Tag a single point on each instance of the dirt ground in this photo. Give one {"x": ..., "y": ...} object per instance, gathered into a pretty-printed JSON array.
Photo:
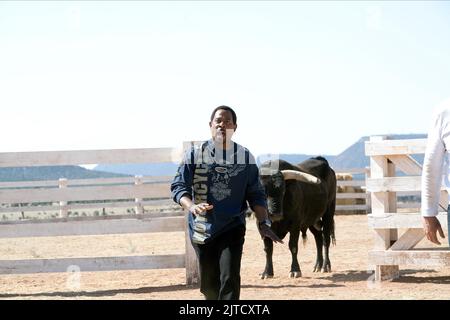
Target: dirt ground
[{"x": 350, "y": 278}]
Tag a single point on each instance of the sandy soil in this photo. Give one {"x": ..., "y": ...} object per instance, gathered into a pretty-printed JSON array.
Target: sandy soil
[{"x": 350, "y": 278}]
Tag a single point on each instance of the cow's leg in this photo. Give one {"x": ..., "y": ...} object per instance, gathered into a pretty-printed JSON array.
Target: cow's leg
[
  {"x": 293, "y": 247},
  {"x": 328, "y": 234},
  {"x": 328, "y": 231},
  {"x": 326, "y": 267},
  {"x": 327, "y": 264},
  {"x": 268, "y": 248},
  {"x": 319, "y": 244}
]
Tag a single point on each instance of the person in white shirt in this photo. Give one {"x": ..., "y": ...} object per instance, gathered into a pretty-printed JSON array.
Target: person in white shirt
[{"x": 434, "y": 166}]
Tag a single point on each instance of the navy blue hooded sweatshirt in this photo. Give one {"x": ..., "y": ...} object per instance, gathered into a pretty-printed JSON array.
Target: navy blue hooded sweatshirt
[{"x": 227, "y": 179}]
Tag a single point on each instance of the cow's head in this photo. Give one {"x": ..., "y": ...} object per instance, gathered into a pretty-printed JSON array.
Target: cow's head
[{"x": 274, "y": 182}]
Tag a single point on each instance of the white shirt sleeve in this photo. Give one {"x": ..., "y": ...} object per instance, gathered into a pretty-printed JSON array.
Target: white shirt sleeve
[{"x": 432, "y": 168}]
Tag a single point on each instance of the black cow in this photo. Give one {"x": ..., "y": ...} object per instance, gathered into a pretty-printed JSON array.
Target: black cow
[{"x": 299, "y": 198}]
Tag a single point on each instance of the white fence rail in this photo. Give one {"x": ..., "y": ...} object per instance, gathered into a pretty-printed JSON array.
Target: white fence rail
[{"x": 60, "y": 158}]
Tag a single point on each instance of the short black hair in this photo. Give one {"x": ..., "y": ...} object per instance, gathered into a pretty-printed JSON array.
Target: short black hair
[{"x": 226, "y": 108}]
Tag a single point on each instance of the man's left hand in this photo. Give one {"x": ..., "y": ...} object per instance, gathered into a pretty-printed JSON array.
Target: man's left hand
[
  {"x": 431, "y": 227},
  {"x": 266, "y": 232}
]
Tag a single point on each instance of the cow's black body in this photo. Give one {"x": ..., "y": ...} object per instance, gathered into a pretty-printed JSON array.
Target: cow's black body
[{"x": 296, "y": 206}]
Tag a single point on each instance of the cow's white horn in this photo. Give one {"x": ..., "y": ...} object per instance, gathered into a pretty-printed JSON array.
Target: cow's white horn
[{"x": 300, "y": 176}]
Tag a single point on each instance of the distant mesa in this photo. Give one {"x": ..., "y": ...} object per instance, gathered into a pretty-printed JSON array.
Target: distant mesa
[
  {"x": 144, "y": 169},
  {"x": 40, "y": 173},
  {"x": 352, "y": 157}
]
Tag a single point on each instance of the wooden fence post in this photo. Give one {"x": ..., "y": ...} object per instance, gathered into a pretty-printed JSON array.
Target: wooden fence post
[
  {"x": 192, "y": 267},
  {"x": 192, "y": 271},
  {"x": 63, "y": 212},
  {"x": 368, "y": 195},
  {"x": 138, "y": 209},
  {"x": 382, "y": 203}
]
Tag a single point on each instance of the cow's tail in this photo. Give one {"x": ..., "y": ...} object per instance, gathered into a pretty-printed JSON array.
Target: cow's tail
[
  {"x": 332, "y": 209},
  {"x": 304, "y": 237},
  {"x": 328, "y": 224}
]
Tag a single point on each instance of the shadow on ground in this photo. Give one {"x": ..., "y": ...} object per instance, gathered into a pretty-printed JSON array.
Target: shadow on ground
[
  {"x": 283, "y": 286},
  {"x": 146, "y": 290},
  {"x": 413, "y": 276},
  {"x": 405, "y": 276},
  {"x": 100, "y": 293}
]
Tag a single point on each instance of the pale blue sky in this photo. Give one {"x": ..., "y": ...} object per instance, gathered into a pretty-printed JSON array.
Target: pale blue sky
[{"x": 303, "y": 77}]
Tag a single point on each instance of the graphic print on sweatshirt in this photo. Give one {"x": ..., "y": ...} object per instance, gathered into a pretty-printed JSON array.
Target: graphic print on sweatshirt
[{"x": 221, "y": 178}]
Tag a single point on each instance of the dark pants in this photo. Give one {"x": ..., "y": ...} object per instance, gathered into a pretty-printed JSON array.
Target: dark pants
[{"x": 220, "y": 265}]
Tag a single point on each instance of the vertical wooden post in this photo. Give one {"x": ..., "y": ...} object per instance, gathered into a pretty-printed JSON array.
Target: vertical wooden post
[
  {"x": 63, "y": 212},
  {"x": 138, "y": 201},
  {"x": 443, "y": 201},
  {"x": 191, "y": 261},
  {"x": 368, "y": 196},
  {"x": 392, "y": 198},
  {"x": 382, "y": 203}
]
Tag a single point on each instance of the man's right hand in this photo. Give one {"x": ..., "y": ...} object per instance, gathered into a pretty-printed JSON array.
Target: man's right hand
[
  {"x": 200, "y": 208},
  {"x": 431, "y": 226}
]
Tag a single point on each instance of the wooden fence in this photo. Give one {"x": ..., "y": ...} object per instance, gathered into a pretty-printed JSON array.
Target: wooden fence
[
  {"x": 31, "y": 196},
  {"x": 64, "y": 196},
  {"x": 353, "y": 190},
  {"x": 138, "y": 190},
  {"x": 13, "y": 200},
  {"x": 391, "y": 248}
]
